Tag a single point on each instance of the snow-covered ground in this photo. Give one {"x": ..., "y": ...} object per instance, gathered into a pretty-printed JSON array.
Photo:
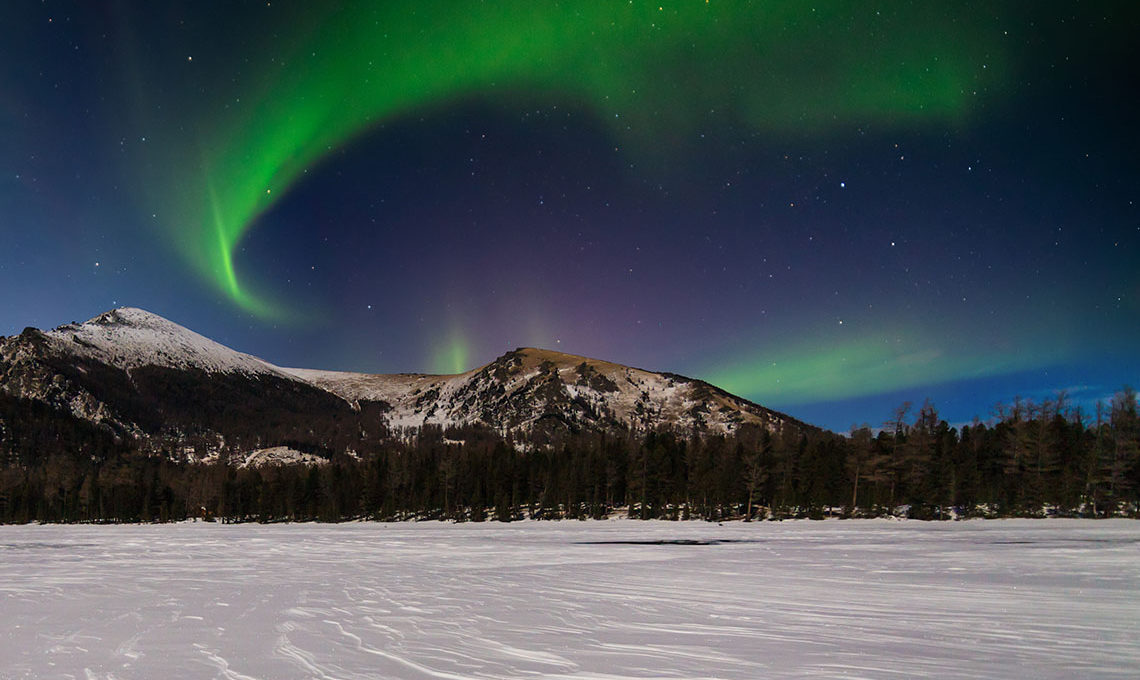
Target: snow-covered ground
[{"x": 869, "y": 599}]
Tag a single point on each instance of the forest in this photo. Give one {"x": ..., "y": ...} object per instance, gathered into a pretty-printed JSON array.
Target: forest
[{"x": 1032, "y": 459}]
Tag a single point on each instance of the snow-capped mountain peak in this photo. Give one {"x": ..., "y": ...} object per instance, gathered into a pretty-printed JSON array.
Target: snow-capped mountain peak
[{"x": 129, "y": 338}]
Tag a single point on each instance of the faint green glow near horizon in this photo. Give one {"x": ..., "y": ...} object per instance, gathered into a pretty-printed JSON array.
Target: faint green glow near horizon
[
  {"x": 861, "y": 366},
  {"x": 453, "y": 356},
  {"x": 646, "y": 70}
]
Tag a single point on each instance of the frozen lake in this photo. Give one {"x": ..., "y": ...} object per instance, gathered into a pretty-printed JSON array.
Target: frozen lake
[{"x": 850, "y": 599}]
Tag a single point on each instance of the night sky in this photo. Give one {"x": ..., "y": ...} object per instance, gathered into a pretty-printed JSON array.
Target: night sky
[{"x": 829, "y": 210}]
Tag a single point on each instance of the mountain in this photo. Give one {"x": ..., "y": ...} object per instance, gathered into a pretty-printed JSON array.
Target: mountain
[
  {"x": 541, "y": 391},
  {"x": 168, "y": 390},
  {"x": 129, "y": 338},
  {"x": 164, "y": 389}
]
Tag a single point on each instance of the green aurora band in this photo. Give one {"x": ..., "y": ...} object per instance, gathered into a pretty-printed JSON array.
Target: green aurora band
[
  {"x": 651, "y": 71},
  {"x": 835, "y": 370},
  {"x": 453, "y": 356}
]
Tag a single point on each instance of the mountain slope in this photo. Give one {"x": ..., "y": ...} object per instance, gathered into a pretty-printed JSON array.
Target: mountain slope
[
  {"x": 530, "y": 389},
  {"x": 129, "y": 338},
  {"x": 167, "y": 388}
]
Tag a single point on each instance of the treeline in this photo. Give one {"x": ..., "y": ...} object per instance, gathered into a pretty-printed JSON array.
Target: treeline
[{"x": 1033, "y": 459}]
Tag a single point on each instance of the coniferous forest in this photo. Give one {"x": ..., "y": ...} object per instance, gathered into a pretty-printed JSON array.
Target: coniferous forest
[{"x": 1032, "y": 459}]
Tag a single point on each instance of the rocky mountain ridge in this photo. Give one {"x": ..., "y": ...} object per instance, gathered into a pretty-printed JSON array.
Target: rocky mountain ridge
[{"x": 148, "y": 379}]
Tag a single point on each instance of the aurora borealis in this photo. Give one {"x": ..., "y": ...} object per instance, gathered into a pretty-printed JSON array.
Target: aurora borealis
[
  {"x": 828, "y": 209},
  {"x": 358, "y": 67}
]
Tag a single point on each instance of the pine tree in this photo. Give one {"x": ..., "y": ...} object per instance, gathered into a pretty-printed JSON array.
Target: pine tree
[
  {"x": 1125, "y": 441},
  {"x": 865, "y": 463}
]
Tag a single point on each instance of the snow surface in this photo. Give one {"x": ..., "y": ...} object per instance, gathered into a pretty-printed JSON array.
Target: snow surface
[{"x": 853, "y": 599}]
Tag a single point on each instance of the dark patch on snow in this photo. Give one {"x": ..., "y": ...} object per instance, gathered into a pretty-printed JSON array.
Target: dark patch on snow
[
  {"x": 675, "y": 541},
  {"x": 44, "y": 546}
]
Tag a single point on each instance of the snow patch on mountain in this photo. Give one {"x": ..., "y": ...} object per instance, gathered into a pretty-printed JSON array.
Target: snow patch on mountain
[
  {"x": 351, "y": 386},
  {"x": 131, "y": 338},
  {"x": 279, "y": 455}
]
